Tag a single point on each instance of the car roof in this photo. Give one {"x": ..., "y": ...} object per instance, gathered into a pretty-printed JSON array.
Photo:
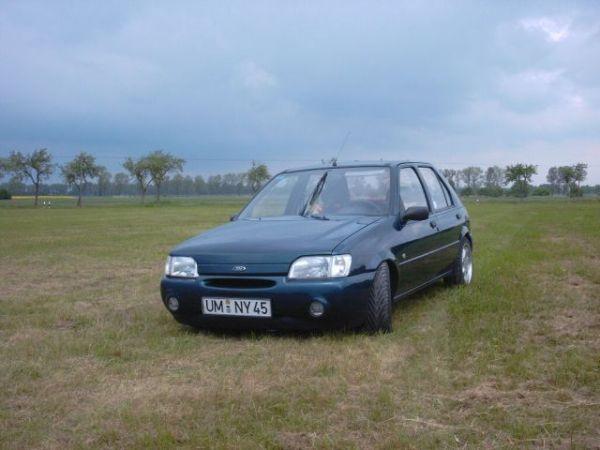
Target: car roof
[{"x": 357, "y": 164}]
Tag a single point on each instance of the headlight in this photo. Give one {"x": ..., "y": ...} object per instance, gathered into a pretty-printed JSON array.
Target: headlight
[
  {"x": 321, "y": 267},
  {"x": 181, "y": 267}
]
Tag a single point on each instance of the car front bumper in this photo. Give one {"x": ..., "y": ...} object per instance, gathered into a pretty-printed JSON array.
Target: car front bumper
[{"x": 344, "y": 300}]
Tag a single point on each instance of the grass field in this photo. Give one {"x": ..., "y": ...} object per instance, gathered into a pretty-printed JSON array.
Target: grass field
[{"x": 89, "y": 357}]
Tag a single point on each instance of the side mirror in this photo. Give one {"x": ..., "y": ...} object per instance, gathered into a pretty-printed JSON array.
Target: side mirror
[
  {"x": 233, "y": 218},
  {"x": 413, "y": 213}
]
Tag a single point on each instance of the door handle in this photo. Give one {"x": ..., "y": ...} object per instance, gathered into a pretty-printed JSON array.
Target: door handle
[{"x": 433, "y": 224}]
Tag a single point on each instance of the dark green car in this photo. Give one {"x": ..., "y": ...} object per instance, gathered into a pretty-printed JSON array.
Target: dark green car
[{"x": 324, "y": 247}]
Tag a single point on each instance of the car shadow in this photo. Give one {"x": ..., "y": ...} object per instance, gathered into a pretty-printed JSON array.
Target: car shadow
[
  {"x": 242, "y": 334},
  {"x": 412, "y": 301},
  {"x": 403, "y": 305}
]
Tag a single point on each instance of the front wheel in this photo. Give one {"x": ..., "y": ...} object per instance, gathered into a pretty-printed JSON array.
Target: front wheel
[
  {"x": 462, "y": 269},
  {"x": 379, "y": 306}
]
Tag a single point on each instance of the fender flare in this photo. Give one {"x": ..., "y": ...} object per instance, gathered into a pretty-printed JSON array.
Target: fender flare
[
  {"x": 378, "y": 258},
  {"x": 388, "y": 258},
  {"x": 466, "y": 233}
]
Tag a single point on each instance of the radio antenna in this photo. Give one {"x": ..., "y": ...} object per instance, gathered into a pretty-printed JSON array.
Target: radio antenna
[{"x": 335, "y": 160}]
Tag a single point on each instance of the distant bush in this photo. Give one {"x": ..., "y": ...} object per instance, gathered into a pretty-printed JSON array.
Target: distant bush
[
  {"x": 541, "y": 191},
  {"x": 575, "y": 191},
  {"x": 520, "y": 188},
  {"x": 5, "y": 195},
  {"x": 491, "y": 191},
  {"x": 465, "y": 192}
]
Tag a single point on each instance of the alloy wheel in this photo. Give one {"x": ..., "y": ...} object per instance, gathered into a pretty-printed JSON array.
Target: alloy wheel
[{"x": 467, "y": 264}]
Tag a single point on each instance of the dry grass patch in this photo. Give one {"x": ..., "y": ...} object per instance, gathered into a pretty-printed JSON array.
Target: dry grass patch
[{"x": 90, "y": 357}]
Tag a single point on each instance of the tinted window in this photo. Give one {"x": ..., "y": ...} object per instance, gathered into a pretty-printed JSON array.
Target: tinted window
[
  {"x": 411, "y": 191},
  {"x": 331, "y": 192},
  {"x": 438, "y": 196},
  {"x": 447, "y": 194},
  {"x": 273, "y": 200},
  {"x": 361, "y": 191},
  {"x": 369, "y": 185}
]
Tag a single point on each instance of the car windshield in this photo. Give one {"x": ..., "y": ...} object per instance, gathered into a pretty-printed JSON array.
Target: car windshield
[{"x": 322, "y": 194}]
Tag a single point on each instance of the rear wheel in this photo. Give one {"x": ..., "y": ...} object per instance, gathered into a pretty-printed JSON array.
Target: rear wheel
[
  {"x": 462, "y": 269},
  {"x": 379, "y": 306}
]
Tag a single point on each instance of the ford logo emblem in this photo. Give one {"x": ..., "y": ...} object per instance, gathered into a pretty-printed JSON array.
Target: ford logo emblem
[{"x": 239, "y": 268}]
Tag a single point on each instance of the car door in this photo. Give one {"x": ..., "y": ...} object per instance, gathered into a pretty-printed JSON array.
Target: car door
[
  {"x": 446, "y": 218},
  {"x": 415, "y": 240}
]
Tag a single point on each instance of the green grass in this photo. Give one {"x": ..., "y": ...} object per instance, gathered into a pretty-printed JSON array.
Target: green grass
[
  {"x": 89, "y": 357},
  {"x": 125, "y": 200}
]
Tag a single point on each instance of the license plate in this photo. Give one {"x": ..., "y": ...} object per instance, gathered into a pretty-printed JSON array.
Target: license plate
[{"x": 245, "y": 307}]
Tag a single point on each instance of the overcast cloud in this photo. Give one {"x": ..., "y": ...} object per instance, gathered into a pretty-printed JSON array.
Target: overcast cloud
[{"x": 218, "y": 83}]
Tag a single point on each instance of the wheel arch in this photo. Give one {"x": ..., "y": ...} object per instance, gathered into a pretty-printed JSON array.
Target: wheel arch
[
  {"x": 394, "y": 275},
  {"x": 392, "y": 266},
  {"x": 466, "y": 234}
]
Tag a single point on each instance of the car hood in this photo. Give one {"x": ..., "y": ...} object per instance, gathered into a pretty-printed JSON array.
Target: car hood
[{"x": 268, "y": 241}]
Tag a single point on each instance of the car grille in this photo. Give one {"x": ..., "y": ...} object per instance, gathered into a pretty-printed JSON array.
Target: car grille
[{"x": 239, "y": 283}]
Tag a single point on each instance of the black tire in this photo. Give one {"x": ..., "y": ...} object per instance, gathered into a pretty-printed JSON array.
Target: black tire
[
  {"x": 379, "y": 306},
  {"x": 457, "y": 276}
]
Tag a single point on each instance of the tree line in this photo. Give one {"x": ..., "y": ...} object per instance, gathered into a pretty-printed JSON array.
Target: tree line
[
  {"x": 155, "y": 173},
  {"x": 516, "y": 180},
  {"x": 160, "y": 172}
]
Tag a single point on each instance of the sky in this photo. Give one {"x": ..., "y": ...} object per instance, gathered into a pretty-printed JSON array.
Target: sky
[{"x": 223, "y": 83}]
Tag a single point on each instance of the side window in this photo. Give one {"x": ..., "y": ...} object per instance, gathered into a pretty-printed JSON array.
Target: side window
[
  {"x": 438, "y": 196},
  {"x": 410, "y": 189},
  {"x": 447, "y": 194}
]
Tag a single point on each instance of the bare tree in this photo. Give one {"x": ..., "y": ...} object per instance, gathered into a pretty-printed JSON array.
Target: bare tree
[
  {"x": 494, "y": 177},
  {"x": 472, "y": 177},
  {"x": 453, "y": 177},
  {"x": 79, "y": 171}
]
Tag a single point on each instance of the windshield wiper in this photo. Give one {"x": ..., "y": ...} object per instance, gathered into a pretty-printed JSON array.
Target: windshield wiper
[
  {"x": 315, "y": 194},
  {"x": 317, "y": 216}
]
